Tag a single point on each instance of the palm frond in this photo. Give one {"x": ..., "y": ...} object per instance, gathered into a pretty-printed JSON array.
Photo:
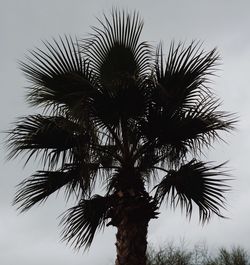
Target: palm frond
[
  {"x": 195, "y": 182},
  {"x": 39, "y": 186},
  {"x": 81, "y": 222},
  {"x": 76, "y": 179},
  {"x": 53, "y": 136},
  {"x": 59, "y": 76},
  {"x": 120, "y": 63},
  {"x": 184, "y": 131},
  {"x": 114, "y": 50},
  {"x": 183, "y": 78},
  {"x": 201, "y": 125}
]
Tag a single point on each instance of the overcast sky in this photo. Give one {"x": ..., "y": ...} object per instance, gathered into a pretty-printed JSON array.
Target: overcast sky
[{"x": 33, "y": 238}]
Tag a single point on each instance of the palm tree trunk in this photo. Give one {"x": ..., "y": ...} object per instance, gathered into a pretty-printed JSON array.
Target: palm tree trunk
[
  {"x": 131, "y": 242},
  {"x": 131, "y": 216}
]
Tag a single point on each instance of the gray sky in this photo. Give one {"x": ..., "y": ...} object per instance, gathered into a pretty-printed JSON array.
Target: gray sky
[{"x": 33, "y": 238}]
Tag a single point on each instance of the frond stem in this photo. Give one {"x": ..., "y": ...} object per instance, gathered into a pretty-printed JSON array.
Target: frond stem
[
  {"x": 162, "y": 169},
  {"x": 116, "y": 138},
  {"x": 125, "y": 136}
]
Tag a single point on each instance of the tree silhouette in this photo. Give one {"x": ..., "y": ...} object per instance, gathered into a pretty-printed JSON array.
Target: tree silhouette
[{"x": 116, "y": 113}]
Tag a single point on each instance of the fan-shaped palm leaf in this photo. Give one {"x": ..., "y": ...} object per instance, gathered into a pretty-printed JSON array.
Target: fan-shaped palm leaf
[
  {"x": 201, "y": 125},
  {"x": 115, "y": 51},
  {"x": 60, "y": 77},
  {"x": 81, "y": 222},
  {"x": 54, "y": 136},
  {"x": 76, "y": 179},
  {"x": 194, "y": 182},
  {"x": 188, "y": 130},
  {"x": 182, "y": 80},
  {"x": 119, "y": 62}
]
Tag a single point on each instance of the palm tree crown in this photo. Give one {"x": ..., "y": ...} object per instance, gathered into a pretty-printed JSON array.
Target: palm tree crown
[{"x": 115, "y": 111}]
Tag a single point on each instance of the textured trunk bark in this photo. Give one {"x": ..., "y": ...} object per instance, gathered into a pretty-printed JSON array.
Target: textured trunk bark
[
  {"x": 131, "y": 216},
  {"x": 131, "y": 242},
  {"x": 131, "y": 212}
]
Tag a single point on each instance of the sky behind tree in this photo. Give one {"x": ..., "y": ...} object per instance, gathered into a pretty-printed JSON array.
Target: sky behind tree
[{"x": 33, "y": 237}]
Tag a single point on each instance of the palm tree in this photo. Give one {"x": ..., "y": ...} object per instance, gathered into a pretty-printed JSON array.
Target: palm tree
[{"x": 116, "y": 113}]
